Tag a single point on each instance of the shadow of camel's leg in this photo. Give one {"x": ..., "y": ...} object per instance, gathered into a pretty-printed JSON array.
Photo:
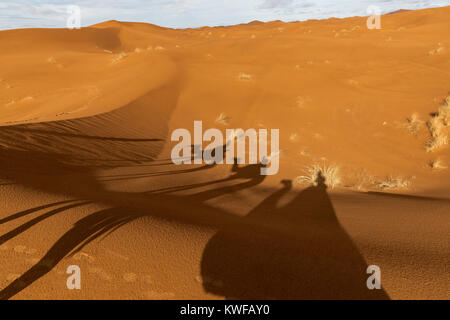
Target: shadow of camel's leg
[
  {"x": 84, "y": 231},
  {"x": 30, "y": 211},
  {"x": 29, "y": 224}
]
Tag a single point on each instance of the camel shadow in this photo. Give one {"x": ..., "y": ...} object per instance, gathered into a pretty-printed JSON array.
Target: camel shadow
[
  {"x": 125, "y": 208},
  {"x": 296, "y": 251}
]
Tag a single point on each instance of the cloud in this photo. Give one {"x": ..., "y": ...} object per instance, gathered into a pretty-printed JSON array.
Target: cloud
[
  {"x": 190, "y": 13},
  {"x": 284, "y": 4},
  {"x": 289, "y": 10},
  {"x": 272, "y": 4}
]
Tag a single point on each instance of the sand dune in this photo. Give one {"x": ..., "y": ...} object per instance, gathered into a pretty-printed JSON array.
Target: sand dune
[{"x": 86, "y": 176}]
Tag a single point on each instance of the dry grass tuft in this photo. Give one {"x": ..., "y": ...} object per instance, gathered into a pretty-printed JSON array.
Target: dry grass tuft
[
  {"x": 330, "y": 173},
  {"x": 28, "y": 98},
  {"x": 363, "y": 180},
  {"x": 393, "y": 183},
  {"x": 436, "y": 51},
  {"x": 304, "y": 153},
  {"x": 414, "y": 123},
  {"x": 436, "y": 127},
  {"x": 245, "y": 77},
  {"x": 10, "y": 103},
  {"x": 294, "y": 137},
  {"x": 121, "y": 56},
  {"x": 223, "y": 119},
  {"x": 444, "y": 112},
  {"x": 437, "y": 164},
  {"x": 51, "y": 60},
  {"x": 302, "y": 102},
  {"x": 436, "y": 143}
]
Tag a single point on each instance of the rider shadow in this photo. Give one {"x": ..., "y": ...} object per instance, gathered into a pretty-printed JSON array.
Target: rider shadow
[{"x": 297, "y": 251}]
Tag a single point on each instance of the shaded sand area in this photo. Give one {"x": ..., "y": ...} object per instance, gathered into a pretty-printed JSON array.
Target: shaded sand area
[{"x": 86, "y": 177}]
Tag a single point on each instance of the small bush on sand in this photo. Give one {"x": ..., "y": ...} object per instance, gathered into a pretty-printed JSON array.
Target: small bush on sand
[
  {"x": 414, "y": 123},
  {"x": 444, "y": 112},
  {"x": 393, "y": 183},
  {"x": 223, "y": 119},
  {"x": 121, "y": 56},
  {"x": 245, "y": 77},
  {"x": 437, "y": 125},
  {"x": 437, "y": 142},
  {"x": 363, "y": 180},
  {"x": 438, "y": 137},
  {"x": 437, "y": 164},
  {"x": 294, "y": 137}
]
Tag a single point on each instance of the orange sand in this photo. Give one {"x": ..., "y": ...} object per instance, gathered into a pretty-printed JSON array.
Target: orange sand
[{"x": 86, "y": 177}]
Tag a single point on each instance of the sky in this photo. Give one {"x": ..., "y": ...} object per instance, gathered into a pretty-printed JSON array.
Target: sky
[{"x": 191, "y": 13}]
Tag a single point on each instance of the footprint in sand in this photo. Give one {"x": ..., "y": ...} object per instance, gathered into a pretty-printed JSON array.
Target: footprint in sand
[
  {"x": 294, "y": 137},
  {"x": 130, "y": 277},
  {"x": 84, "y": 256},
  {"x": 147, "y": 279},
  {"x": 301, "y": 102},
  {"x": 352, "y": 82},
  {"x": 118, "y": 255},
  {"x": 32, "y": 261},
  {"x": 12, "y": 276},
  {"x": 436, "y": 51},
  {"x": 20, "y": 249},
  {"x": 199, "y": 279},
  {"x": 207, "y": 280},
  {"x": 10, "y": 103},
  {"x": 30, "y": 251},
  {"x": 101, "y": 273},
  {"x": 160, "y": 295}
]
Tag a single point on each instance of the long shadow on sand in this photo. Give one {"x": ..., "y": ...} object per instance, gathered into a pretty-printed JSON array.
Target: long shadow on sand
[
  {"x": 305, "y": 255},
  {"x": 125, "y": 207},
  {"x": 293, "y": 252},
  {"x": 298, "y": 250}
]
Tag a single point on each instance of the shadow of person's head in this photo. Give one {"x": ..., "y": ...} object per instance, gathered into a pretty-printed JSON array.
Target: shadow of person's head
[{"x": 320, "y": 181}]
